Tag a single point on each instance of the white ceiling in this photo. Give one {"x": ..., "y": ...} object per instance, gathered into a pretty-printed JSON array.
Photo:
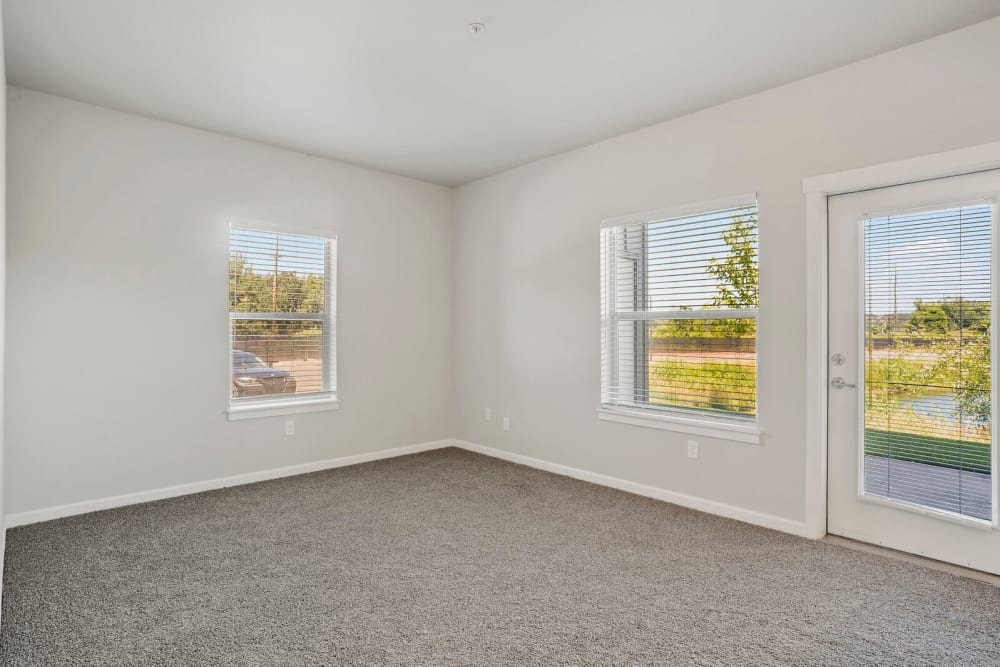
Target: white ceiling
[{"x": 403, "y": 86}]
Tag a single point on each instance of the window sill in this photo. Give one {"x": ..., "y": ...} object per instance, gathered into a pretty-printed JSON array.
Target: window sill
[
  {"x": 276, "y": 408},
  {"x": 722, "y": 429}
]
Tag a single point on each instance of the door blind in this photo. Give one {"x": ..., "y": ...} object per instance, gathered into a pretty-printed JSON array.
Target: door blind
[
  {"x": 281, "y": 302},
  {"x": 928, "y": 376},
  {"x": 679, "y": 313}
]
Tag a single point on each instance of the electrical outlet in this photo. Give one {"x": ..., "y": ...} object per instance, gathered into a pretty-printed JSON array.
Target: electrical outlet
[
  {"x": 692, "y": 449},
  {"x": 489, "y": 414},
  {"x": 506, "y": 423},
  {"x": 289, "y": 427}
]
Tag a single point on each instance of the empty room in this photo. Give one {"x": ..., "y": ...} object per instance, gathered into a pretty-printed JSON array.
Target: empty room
[{"x": 469, "y": 332}]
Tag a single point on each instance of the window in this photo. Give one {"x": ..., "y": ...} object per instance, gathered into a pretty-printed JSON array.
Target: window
[
  {"x": 282, "y": 311},
  {"x": 679, "y": 313}
]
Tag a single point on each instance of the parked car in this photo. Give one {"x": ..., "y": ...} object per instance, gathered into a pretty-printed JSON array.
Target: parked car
[{"x": 252, "y": 377}]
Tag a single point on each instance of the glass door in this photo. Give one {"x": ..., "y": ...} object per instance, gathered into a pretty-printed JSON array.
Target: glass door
[{"x": 912, "y": 461}]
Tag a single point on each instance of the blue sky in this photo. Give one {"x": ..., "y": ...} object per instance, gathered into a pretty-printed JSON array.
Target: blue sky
[
  {"x": 931, "y": 256},
  {"x": 303, "y": 255},
  {"x": 679, "y": 252}
]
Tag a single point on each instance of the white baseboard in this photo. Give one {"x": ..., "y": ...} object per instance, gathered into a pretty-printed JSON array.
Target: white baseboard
[
  {"x": 60, "y": 511},
  {"x": 693, "y": 502}
]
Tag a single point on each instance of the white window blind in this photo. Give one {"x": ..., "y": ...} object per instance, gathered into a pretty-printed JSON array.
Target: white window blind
[
  {"x": 679, "y": 313},
  {"x": 282, "y": 314},
  {"x": 928, "y": 373}
]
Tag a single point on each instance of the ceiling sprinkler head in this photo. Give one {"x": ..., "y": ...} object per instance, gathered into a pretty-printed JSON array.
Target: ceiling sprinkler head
[{"x": 476, "y": 28}]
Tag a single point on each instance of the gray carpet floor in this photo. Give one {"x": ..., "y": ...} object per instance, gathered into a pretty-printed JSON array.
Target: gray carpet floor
[{"x": 451, "y": 558}]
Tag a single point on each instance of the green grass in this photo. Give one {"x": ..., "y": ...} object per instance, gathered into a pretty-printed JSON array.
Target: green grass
[
  {"x": 896, "y": 377},
  {"x": 729, "y": 387},
  {"x": 960, "y": 454},
  {"x": 899, "y": 375},
  {"x": 719, "y": 386}
]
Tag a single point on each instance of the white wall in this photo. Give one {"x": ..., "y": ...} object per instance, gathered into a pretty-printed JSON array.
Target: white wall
[
  {"x": 526, "y": 256},
  {"x": 3, "y": 276},
  {"x": 117, "y": 292},
  {"x": 117, "y": 303}
]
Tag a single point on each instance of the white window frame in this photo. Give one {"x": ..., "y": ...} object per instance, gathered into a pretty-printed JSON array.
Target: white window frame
[
  {"x": 271, "y": 406},
  {"x": 736, "y": 429}
]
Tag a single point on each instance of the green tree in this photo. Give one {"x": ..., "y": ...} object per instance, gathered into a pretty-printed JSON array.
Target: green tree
[
  {"x": 949, "y": 316},
  {"x": 929, "y": 318},
  {"x": 289, "y": 292},
  {"x": 964, "y": 366},
  {"x": 736, "y": 276},
  {"x": 678, "y": 328},
  {"x": 962, "y": 355}
]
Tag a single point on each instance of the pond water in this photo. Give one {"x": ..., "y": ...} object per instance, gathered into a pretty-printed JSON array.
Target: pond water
[{"x": 940, "y": 405}]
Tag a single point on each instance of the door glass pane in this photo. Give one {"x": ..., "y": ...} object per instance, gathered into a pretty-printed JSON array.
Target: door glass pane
[{"x": 928, "y": 426}]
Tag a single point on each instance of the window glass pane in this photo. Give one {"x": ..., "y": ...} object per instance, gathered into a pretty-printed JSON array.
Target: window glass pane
[
  {"x": 928, "y": 427},
  {"x": 705, "y": 365},
  {"x": 705, "y": 261},
  {"x": 276, "y": 273},
  {"x": 281, "y": 301},
  {"x": 277, "y": 357},
  {"x": 679, "y": 308}
]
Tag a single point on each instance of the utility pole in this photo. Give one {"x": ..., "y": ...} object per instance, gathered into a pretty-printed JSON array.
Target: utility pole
[
  {"x": 895, "y": 308},
  {"x": 274, "y": 290},
  {"x": 274, "y": 285}
]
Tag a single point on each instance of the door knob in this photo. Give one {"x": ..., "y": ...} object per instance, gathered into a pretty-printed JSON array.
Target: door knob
[{"x": 840, "y": 383}]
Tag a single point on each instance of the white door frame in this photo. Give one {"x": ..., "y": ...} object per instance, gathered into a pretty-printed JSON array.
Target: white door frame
[{"x": 817, "y": 189}]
